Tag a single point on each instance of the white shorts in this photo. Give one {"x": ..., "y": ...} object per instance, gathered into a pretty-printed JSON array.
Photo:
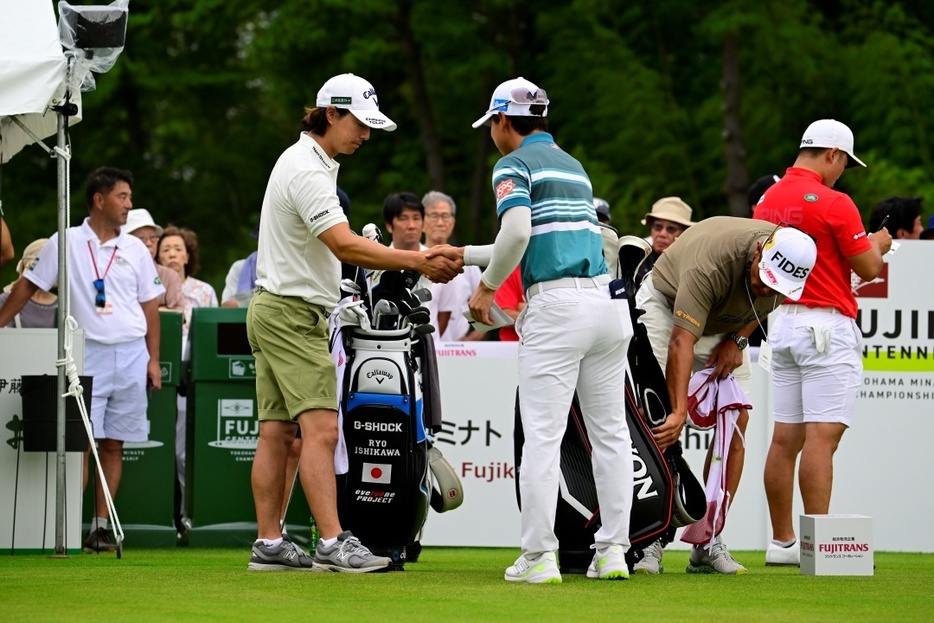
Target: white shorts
[
  {"x": 118, "y": 397},
  {"x": 659, "y": 322},
  {"x": 817, "y": 365}
]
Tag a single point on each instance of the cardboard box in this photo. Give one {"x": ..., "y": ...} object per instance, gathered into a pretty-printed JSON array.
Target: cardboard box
[{"x": 836, "y": 545}]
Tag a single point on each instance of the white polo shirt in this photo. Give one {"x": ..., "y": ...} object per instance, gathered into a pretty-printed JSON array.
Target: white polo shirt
[
  {"x": 453, "y": 297},
  {"x": 131, "y": 279},
  {"x": 300, "y": 204}
]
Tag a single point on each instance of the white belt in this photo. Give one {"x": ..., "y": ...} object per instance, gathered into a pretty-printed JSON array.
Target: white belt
[
  {"x": 796, "y": 308},
  {"x": 567, "y": 282}
]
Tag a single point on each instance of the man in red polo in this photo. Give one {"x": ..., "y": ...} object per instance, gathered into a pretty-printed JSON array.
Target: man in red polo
[{"x": 816, "y": 357}]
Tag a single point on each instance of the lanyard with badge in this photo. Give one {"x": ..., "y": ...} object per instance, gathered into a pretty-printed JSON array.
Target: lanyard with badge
[
  {"x": 765, "y": 349},
  {"x": 103, "y": 306}
]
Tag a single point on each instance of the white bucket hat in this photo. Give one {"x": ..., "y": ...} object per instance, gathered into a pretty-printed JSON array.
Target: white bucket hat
[{"x": 140, "y": 217}]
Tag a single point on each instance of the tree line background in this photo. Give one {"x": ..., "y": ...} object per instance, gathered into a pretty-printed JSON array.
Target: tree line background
[{"x": 655, "y": 97}]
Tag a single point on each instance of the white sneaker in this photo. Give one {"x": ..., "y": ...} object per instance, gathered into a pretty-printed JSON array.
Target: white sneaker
[
  {"x": 651, "y": 559},
  {"x": 608, "y": 564},
  {"x": 778, "y": 556},
  {"x": 542, "y": 569},
  {"x": 717, "y": 560}
]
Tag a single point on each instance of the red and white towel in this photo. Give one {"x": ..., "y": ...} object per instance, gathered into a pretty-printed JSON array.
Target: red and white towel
[{"x": 717, "y": 403}]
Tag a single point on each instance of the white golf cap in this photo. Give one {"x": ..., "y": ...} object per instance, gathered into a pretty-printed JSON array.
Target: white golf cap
[
  {"x": 356, "y": 95},
  {"x": 831, "y": 133},
  {"x": 140, "y": 217},
  {"x": 788, "y": 256},
  {"x": 515, "y": 99}
]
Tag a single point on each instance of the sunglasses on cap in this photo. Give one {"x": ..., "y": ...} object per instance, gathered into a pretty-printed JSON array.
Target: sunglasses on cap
[
  {"x": 771, "y": 238},
  {"x": 523, "y": 95}
]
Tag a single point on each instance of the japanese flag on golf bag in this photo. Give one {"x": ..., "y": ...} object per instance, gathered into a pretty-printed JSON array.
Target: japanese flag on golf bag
[
  {"x": 383, "y": 498},
  {"x": 389, "y": 404}
]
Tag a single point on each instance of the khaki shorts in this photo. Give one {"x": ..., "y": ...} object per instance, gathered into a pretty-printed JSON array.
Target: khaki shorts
[{"x": 294, "y": 369}]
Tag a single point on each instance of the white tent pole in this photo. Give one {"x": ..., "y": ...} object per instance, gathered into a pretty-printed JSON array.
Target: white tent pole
[
  {"x": 64, "y": 294},
  {"x": 62, "y": 308}
]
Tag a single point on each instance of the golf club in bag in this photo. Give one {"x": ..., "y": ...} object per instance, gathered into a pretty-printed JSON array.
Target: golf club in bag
[
  {"x": 390, "y": 405},
  {"x": 665, "y": 492}
]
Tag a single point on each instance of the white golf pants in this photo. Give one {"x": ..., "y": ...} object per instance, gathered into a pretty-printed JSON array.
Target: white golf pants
[{"x": 574, "y": 339}]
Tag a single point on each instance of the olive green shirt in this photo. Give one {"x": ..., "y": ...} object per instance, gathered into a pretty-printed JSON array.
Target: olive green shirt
[{"x": 704, "y": 275}]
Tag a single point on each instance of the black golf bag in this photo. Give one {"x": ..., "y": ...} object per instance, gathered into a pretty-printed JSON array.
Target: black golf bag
[
  {"x": 389, "y": 404},
  {"x": 665, "y": 492}
]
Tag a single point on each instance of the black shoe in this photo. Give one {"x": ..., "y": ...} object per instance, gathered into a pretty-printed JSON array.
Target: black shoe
[
  {"x": 412, "y": 551},
  {"x": 99, "y": 541}
]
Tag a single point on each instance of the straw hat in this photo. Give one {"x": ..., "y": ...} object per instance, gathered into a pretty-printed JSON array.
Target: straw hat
[{"x": 670, "y": 209}]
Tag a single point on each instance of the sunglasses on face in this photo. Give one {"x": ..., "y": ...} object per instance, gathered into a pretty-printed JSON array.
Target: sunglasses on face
[
  {"x": 671, "y": 229},
  {"x": 100, "y": 299}
]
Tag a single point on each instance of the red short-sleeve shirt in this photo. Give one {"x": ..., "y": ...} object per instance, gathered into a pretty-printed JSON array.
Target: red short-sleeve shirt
[
  {"x": 508, "y": 296},
  {"x": 800, "y": 199}
]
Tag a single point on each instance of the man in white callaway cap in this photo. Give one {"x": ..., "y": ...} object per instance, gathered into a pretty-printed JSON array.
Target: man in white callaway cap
[
  {"x": 817, "y": 362},
  {"x": 353, "y": 93},
  {"x": 707, "y": 293},
  {"x": 574, "y": 336},
  {"x": 303, "y": 238}
]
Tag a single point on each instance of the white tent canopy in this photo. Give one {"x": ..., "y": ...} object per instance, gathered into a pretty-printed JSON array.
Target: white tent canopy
[
  {"x": 32, "y": 73},
  {"x": 33, "y": 79}
]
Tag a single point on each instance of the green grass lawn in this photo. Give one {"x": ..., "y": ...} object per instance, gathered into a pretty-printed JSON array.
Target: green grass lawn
[{"x": 447, "y": 584}]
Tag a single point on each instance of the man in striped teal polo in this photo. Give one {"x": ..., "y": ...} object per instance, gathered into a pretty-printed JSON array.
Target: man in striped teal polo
[{"x": 573, "y": 335}]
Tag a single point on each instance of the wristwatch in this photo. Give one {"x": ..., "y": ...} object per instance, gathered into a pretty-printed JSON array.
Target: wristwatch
[{"x": 741, "y": 341}]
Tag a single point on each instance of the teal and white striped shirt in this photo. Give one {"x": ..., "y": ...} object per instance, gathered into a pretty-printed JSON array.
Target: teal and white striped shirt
[{"x": 566, "y": 239}]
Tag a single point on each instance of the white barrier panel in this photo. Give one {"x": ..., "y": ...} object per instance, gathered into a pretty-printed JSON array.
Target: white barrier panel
[
  {"x": 478, "y": 385},
  {"x": 881, "y": 469},
  {"x": 478, "y": 395},
  {"x": 29, "y": 485},
  {"x": 885, "y": 461}
]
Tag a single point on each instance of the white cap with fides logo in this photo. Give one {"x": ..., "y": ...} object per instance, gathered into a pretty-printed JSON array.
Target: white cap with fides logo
[
  {"x": 788, "y": 256},
  {"x": 828, "y": 133},
  {"x": 356, "y": 95},
  {"x": 515, "y": 98}
]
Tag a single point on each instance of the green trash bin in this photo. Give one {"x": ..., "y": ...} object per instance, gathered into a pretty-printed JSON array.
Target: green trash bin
[
  {"x": 146, "y": 498},
  {"x": 222, "y": 433}
]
